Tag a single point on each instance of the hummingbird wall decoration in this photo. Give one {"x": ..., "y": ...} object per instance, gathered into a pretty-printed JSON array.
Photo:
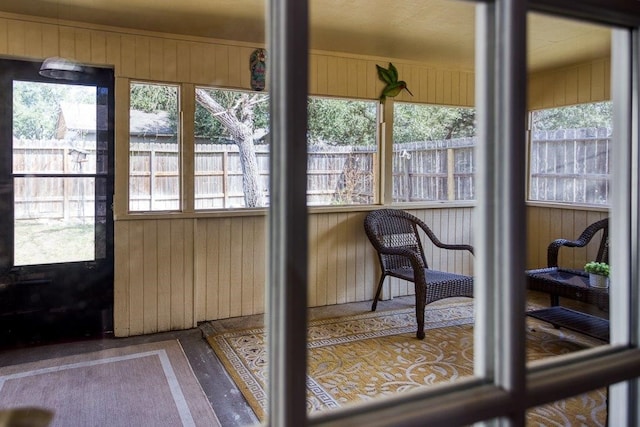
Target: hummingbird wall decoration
[{"x": 390, "y": 77}]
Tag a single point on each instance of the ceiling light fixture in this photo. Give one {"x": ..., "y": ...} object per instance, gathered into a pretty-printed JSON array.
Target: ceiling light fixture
[{"x": 61, "y": 69}]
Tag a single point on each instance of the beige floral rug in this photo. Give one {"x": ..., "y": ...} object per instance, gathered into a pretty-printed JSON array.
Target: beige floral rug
[{"x": 373, "y": 355}]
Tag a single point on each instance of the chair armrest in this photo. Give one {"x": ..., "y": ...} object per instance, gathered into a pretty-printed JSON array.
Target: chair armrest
[{"x": 440, "y": 244}]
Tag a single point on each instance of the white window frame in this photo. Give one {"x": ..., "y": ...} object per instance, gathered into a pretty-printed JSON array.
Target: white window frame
[{"x": 504, "y": 386}]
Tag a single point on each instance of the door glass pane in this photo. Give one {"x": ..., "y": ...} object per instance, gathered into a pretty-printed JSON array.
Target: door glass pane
[{"x": 54, "y": 135}]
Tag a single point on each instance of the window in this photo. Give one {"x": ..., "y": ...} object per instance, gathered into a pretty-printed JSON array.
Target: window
[
  {"x": 342, "y": 146},
  {"x": 154, "y": 148},
  {"x": 433, "y": 153},
  {"x": 570, "y": 154},
  {"x": 232, "y": 150}
]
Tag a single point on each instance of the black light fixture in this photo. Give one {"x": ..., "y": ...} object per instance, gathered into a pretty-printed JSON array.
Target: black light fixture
[{"x": 61, "y": 69}]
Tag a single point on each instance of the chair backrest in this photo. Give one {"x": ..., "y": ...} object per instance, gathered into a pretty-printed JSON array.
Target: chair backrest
[
  {"x": 585, "y": 238},
  {"x": 393, "y": 228}
]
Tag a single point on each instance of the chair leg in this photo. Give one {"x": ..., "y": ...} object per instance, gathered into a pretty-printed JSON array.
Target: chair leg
[
  {"x": 421, "y": 301},
  {"x": 375, "y": 300}
]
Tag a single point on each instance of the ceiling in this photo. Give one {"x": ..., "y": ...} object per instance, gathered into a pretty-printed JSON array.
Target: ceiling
[{"x": 438, "y": 32}]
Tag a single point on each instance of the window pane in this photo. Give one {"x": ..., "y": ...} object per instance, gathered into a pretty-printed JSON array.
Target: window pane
[
  {"x": 570, "y": 154},
  {"x": 342, "y": 148},
  {"x": 54, "y": 128},
  {"x": 432, "y": 153},
  {"x": 231, "y": 150},
  {"x": 154, "y": 152},
  {"x": 54, "y": 220}
]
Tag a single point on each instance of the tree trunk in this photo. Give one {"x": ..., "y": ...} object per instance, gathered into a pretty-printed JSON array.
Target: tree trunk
[{"x": 242, "y": 133}]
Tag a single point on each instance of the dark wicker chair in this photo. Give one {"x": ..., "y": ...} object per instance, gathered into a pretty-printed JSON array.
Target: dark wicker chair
[
  {"x": 394, "y": 235},
  {"x": 587, "y": 235}
]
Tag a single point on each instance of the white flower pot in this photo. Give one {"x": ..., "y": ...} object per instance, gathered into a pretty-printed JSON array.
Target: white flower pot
[{"x": 598, "y": 281}]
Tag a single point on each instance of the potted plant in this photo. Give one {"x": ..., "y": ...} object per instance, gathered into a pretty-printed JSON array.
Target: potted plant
[{"x": 598, "y": 274}]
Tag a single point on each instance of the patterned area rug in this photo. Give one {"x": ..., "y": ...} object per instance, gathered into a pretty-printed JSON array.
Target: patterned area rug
[{"x": 372, "y": 355}]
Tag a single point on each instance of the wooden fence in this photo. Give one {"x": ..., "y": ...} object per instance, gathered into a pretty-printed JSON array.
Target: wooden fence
[{"x": 571, "y": 165}]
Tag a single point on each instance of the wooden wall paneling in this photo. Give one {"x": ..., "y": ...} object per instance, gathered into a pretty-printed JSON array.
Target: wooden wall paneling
[
  {"x": 156, "y": 59},
  {"x": 333, "y": 76},
  {"x": 208, "y": 62},
  {"x": 247, "y": 273},
  {"x": 313, "y": 74},
  {"x": 362, "y": 78},
  {"x": 67, "y": 39},
  {"x": 113, "y": 53},
  {"x": 584, "y": 83},
  {"x": 332, "y": 258},
  {"x": 187, "y": 287},
  {"x": 312, "y": 263},
  {"x": 211, "y": 262},
  {"x": 598, "y": 80},
  {"x": 342, "y": 243},
  {"x": 471, "y": 87},
  {"x": 199, "y": 268},
  {"x": 260, "y": 256},
  {"x": 322, "y": 83},
  {"x": 135, "y": 264},
  {"x": 532, "y": 231},
  {"x": 547, "y": 91},
  {"x": 164, "y": 273},
  {"x": 236, "y": 64},
  {"x": 423, "y": 84},
  {"x": 183, "y": 61},
  {"x": 150, "y": 275},
  {"x": 534, "y": 92},
  {"x": 224, "y": 265},
  {"x": 221, "y": 77},
  {"x": 128, "y": 55},
  {"x": 121, "y": 163},
  {"x": 235, "y": 267},
  {"x": 447, "y": 82},
  {"x": 432, "y": 83},
  {"x": 322, "y": 256},
  {"x": 364, "y": 256},
  {"x": 374, "y": 84},
  {"x": 463, "y": 91},
  {"x": 169, "y": 60},
  {"x": 49, "y": 40},
  {"x": 559, "y": 86},
  {"x": 98, "y": 49},
  {"x": 196, "y": 56},
  {"x": 571, "y": 85},
  {"x": 33, "y": 40},
  {"x": 352, "y": 78},
  {"x": 180, "y": 281},
  {"x": 142, "y": 61},
  {"x": 352, "y": 227},
  {"x": 245, "y": 69},
  {"x": 15, "y": 38},
  {"x": 121, "y": 288},
  {"x": 439, "y": 87},
  {"x": 82, "y": 45}
]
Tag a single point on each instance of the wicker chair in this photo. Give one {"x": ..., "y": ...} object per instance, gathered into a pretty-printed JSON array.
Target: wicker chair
[
  {"x": 587, "y": 235},
  {"x": 394, "y": 235}
]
